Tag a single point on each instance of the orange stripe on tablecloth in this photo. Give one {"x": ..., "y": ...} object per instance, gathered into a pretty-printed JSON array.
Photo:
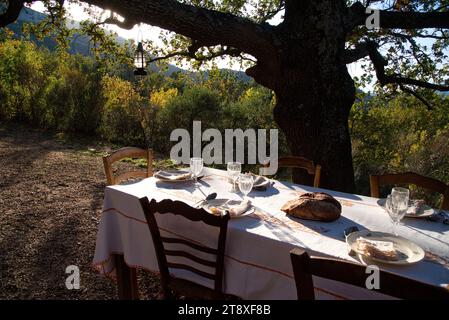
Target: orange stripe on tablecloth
[
  {"x": 232, "y": 258},
  {"x": 113, "y": 277},
  {"x": 186, "y": 238},
  {"x": 197, "y": 242},
  {"x": 123, "y": 214},
  {"x": 287, "y": 224},
  {"x": 109, "y": 274},
  {"x": 331, "y": 293},
  {"x": 430, "y": 257}
]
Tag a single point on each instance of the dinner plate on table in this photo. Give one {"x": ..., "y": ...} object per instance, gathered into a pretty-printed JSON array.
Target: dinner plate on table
[
  {"x": 226, "y": 204},
  {"x": 173, "y": 175},
  {"x": 424, "y": 212},
  {"x": 408, "y": 252}
]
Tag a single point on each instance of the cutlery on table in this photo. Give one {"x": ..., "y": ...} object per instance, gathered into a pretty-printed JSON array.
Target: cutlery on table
[{"x": 209, "y": 197}]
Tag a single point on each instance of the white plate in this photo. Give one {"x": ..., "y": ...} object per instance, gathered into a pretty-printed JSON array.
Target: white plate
[
  {"x": 170, "y": 175},
  {"x": 408, "y": 251},
  {"x": 425, "y": 212},
  {"x": 226, "y": 204}
]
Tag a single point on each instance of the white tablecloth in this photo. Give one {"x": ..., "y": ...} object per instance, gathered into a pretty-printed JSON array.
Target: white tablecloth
[{"x": 257, "y": 262}]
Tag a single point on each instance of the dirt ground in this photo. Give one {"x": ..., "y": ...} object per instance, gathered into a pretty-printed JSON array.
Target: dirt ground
[{"x": 51, "y": 196}]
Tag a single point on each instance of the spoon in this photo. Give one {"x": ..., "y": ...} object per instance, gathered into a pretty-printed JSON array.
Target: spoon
[{"x": 210, "y": 196}]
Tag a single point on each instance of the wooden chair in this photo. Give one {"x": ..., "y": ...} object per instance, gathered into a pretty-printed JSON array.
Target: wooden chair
[
  {"x": 127, "y": 152},
  {"x": 301, "y": 163},
  {"x": 305, "y": 266},
  {"x": 410, "y": 178},
  {"x": 177, "y": 285}
]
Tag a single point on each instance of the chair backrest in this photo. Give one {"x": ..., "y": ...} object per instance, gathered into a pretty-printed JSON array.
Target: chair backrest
[
  {"x": 301, "y": 163},
  {"x": 410, "y": 178},
  {"x": 391, "y": 284},
  {"x": 193, "y": 214},
  {"x": 127, "y": 152}
]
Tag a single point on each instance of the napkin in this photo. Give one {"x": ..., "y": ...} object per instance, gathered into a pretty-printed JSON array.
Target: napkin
[
  {"x": 259, "y": 182},
  {"x": 239, "y": 209},
  {"x": 173, "y": 175},
  {"x": 234, "y": 210},
  {"x": 377, "y": 249},
  {"x": 416, "y": 206}
]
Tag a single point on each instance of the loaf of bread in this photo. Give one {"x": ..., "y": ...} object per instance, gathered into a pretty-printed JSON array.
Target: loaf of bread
[{"x": 314, "y": 206}]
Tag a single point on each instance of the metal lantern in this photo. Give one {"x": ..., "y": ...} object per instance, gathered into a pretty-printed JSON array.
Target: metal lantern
[{"x": 140, "y": 61}]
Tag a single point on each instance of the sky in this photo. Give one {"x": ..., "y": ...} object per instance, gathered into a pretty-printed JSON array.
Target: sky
[{"x": 77, "y": 13}]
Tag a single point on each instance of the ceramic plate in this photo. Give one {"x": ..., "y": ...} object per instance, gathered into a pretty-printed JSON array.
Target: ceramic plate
[
  {"x": 408, "y": 252},
  {"x": 425, "y": 211}
]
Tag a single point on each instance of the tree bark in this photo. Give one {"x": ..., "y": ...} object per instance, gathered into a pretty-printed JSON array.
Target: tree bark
[
  {"x": 316, "y": 127},
  {"x": 315, "y": 92}
]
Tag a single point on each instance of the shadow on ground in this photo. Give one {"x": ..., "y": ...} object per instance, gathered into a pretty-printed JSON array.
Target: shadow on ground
[{"x": 51, "y": 196}]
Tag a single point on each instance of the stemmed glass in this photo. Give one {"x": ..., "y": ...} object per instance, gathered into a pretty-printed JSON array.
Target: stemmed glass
[
  {"x": 246, "y": 182},
  {"x": 397, "y": 204},
  {"x": 196, "y": 165},
  {"x": 234, "y": 169}
]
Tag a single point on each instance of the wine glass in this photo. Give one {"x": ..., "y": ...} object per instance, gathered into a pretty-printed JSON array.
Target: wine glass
[
  {"x": 234, "y": 169},
  {"x": 246, "y": 182},
  {"x": 196, "y": 165},
  {"x": 397, "y": 204}
]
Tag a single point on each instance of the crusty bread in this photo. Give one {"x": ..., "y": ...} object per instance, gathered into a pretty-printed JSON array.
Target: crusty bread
[{"x": 314, "y": 206}]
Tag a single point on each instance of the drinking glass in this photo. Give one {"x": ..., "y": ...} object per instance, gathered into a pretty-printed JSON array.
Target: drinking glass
[
  {"x": 234, "y": 169},
  {"x": 196, "y": 165},
  {"x": 246, "y": 184},
  {"x": 397, "y": 204}
]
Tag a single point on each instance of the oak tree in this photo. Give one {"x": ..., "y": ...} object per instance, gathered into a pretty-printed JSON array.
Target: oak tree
[{"x": 303, "y": 59}]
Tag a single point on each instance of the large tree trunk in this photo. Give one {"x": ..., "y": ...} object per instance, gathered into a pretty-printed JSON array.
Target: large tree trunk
[
  {"x": 315, "y": 92},
  {"x": 316, "y": 127}
]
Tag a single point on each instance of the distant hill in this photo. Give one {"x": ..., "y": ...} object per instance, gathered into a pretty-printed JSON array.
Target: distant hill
[{"x": 80, "y": 43}]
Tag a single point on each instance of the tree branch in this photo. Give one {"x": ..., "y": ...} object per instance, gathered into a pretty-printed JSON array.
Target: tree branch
[
  {"x": 416, "y": 95},
  {"x": 360, "y": 51},
  {"x": 188, "y": 54},
  {"x": 414, "y": 20},
  {"x": 269, "y": 15},
  {"x": 127, "y": 24},
  {"x": 400, "y": 19},
  {"x": 379, "y": 64},
  {"x": 12, "y": 12},
  {"x": 208, "y": 27}
]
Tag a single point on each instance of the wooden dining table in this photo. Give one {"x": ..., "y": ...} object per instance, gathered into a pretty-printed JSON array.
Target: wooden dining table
[{"x": 257, "y": 261}]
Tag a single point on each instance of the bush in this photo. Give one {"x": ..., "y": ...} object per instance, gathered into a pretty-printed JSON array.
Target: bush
[
  {"x": 400, "y": 135},
  {"x": 123, "y": 114}
]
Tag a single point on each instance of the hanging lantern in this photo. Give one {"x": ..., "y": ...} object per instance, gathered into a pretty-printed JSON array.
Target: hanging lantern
[{"x": 140, "y": 61}]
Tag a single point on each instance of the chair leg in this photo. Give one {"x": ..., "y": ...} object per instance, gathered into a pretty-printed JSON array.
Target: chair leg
[
  {"x": 167, "y": 294},
  {"x": 126, "y": 279},
  {"x": 134, "y": 286}
]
